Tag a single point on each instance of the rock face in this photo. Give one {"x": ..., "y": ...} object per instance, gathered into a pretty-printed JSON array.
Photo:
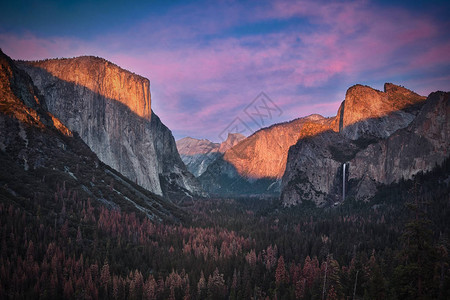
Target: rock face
[
  {"x": 199, "y": 154},
  {"x": 264, "y": 154},
  {"x": 314, "y": 168},
  {"x": 196, "y": 154},
  {"x": 110, "y": 108},
  {"x": 21, "y": 100},
  {"x": 41, "y": 158},
  {"x": 191, "y": 146},
  {"x": 232, "y": 140},
  {"x": 416, "y": 148},
  {"x": 368, "y": 112},
  {"x": 381, "y": 137},
  {"x": 255, "y": 165}
]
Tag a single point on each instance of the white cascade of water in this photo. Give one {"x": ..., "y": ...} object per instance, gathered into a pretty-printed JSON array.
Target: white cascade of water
[{"x": 343, "y": 183}]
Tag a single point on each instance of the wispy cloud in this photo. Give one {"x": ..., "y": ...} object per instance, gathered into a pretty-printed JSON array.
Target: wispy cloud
[{"x": 206, "y": 63}]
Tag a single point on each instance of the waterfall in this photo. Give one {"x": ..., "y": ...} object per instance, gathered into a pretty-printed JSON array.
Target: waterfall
[{"x": 343, "y": 183}]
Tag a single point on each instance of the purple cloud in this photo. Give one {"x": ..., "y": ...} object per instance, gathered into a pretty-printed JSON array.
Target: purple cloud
[{"x": 205, "y": 68}]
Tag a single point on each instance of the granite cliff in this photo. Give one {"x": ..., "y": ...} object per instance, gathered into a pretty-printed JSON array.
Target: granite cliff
[
  {"x": 43, "y": 161},
  {"x": 256, "y": 164},
  {"x": 264, "y": 153},
  {"x": 369, "y": 112},
  {"x": 416, "y": 148},
  {"x": 381, "y": 137},
  {"x": 199, "y": 154},
  {"x": 232, "y": 140},
  {"x": 110, "y": 108}
]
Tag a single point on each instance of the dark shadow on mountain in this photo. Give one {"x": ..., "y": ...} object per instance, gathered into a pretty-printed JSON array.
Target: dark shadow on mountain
[
  {"x": 221, "y": 179},
  {"x": 333, "y": 149},
  {"x": 341, "y": 116},
  {"x": 42, "y": 166},
  {"x": 112, "y": 130}
]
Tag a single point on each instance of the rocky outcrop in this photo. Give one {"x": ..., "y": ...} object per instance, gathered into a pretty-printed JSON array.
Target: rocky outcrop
[
  {"x": 369, "y": 112},
  {"x": 255, "y": 165},
  {"x": 42, "y": 160},
  {"x": 199, "y": 154},
  {"x": 232, "y": 140},
  {"x": 264, "y": 154},
  {"x": 196, "y": 154},
  {"x": 110, "y": 108},
  {"x": 21, "y": 100},
  {"x": 379, "y": 136},
  {"x": 417, "y": 148}
]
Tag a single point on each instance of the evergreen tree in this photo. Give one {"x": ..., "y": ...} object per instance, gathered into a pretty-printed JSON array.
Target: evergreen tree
[{"x": 418, "y": 257}]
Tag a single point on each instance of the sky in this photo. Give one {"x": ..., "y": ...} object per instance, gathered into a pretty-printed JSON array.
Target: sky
[{"x": 213, "y": 64}]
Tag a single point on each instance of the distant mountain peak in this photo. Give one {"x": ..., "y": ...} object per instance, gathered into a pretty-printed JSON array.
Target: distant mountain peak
[
  {"x": 232, "y": 140},
  {"x": 193, "y": 146},
  {"x": 314, "y": 117}
]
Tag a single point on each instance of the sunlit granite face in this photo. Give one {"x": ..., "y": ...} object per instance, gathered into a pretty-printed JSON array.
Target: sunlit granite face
[
  {"x": 110, "y": 108},
  {"x": 104, "y": 78},
  {"x": 264, "y": 154},
  {"x": 387, "y": 136}
]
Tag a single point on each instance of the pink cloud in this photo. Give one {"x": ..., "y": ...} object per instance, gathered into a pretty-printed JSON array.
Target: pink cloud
[
  {"x": 31, "y": 47},
  {"x": 433, "y": 56},
  {"x": 223, "y": 75},
  {"x": 28, "y": 46}
]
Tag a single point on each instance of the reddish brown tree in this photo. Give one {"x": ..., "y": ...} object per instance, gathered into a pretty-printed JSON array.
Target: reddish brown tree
[
  {"x": 280, "y": 273},
  {"x": 105, "y": 278}
]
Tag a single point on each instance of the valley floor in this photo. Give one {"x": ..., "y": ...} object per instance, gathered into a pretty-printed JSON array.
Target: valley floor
[{"x": 392, "y": 248}]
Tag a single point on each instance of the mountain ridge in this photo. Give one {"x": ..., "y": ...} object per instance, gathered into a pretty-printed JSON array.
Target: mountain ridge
[
  {"x": 198, "y": 154},
  {"x": 249, "y": 167},
  {"x": 364, "y": 117}
]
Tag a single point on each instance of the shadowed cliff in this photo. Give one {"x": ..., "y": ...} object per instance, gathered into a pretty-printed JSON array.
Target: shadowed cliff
[
  {"x": 199, "y": 154},
  {"x": 110, "y": 109},
  {"x": 392, "y": 144},
  {"x": 364, "y": 117},
  {"x": 42, "y": 161}
]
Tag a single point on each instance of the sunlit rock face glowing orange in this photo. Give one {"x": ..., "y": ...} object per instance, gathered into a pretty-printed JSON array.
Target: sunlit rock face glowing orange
[
  {"x": 363, "y": 103},
  {"x": 380, "y": 137},
  {"x": 104, "y": 78},
  {"x": 19, "y": 98},
  {"x": 110, "y": 109},
  {"x": 60, "y": 126},
  {"x": 264, "y": 154}
]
